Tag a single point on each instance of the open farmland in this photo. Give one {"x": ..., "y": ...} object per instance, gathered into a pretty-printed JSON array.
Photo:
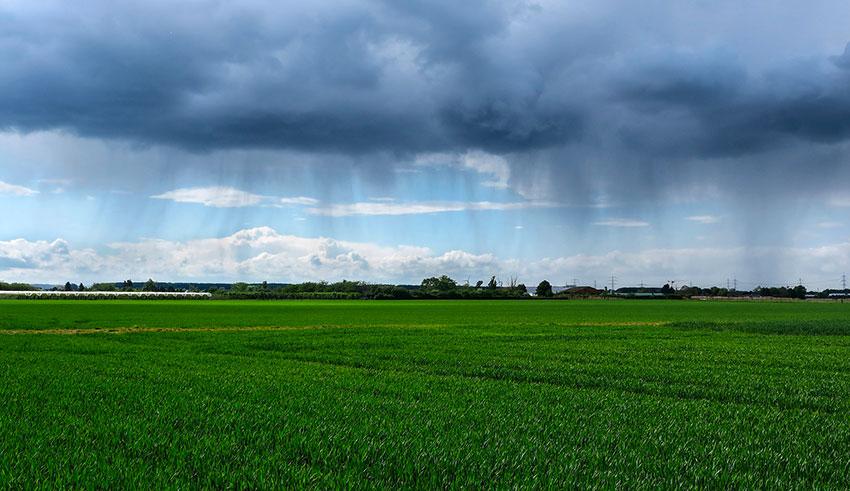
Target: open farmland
[{"x": 424, "y": 394}]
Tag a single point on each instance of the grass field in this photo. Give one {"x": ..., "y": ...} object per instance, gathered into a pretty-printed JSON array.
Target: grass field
[{"x": 424, "y": 394}]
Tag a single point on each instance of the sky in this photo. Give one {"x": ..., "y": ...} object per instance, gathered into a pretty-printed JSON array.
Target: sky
[{"x": 651, "y": 141}]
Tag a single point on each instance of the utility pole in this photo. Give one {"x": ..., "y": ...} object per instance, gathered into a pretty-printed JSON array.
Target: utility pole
[
  {"x": 613, "y": 278},
  {"x": 844, "y": 282}
]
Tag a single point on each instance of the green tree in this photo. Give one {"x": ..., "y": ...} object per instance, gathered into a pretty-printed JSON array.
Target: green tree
[
  {"x": 442, "y": 284},
  {"x": 544, "y": 289},
  {"x": 68, "y": 286},
  {"x": 492, "y": 284},
  {"x": 150, "y": 286},
  {"x": 16, "y": 287}
]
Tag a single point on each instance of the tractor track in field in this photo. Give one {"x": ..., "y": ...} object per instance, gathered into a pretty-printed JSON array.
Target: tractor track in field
[{"x": 132, "y": 330}]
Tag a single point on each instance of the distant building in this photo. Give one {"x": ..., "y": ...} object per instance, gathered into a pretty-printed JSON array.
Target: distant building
[
  {"x": 636, "y": 291},
  {"x": 581, "y": 290}
]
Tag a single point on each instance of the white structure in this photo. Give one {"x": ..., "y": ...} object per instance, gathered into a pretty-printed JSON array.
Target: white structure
[{"x": 45, "y": 293}]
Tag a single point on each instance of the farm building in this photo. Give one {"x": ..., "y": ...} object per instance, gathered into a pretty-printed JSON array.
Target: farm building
[
  {"x": 641, "y": 292},
  {"x": 581, "y": 291}
]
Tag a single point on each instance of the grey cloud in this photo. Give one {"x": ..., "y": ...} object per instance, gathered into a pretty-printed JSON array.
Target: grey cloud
[
  {"x": 586, "y": 101},
  {"x": 325, "y": 77},
  {"x": 843, "y": 61}
]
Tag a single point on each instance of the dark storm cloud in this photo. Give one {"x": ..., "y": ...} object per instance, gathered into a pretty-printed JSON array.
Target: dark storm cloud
[
  {"x": 586, "y": 99},
  {"x": 732, "y": 112},
  {"x": 348, "y": 78}
]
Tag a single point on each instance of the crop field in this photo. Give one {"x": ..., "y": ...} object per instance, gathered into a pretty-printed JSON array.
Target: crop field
[{"x": 443, "y": 394}]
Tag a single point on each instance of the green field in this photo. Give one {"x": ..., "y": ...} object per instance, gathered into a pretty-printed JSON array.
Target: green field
[{"x": 424, "y": 394}]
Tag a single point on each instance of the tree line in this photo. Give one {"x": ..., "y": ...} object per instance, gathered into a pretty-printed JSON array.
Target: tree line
[{"x": 435, "y": 287}]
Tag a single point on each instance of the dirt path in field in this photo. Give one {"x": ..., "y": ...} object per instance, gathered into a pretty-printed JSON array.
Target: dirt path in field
[{"x": 130, "y": 330}]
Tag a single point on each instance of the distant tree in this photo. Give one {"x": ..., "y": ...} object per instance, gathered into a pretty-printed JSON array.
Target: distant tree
[
  {"x": 128, "y": 285},
  {"x": 103, "y": 287},
  {"x": 478, "y": 284},
  {"x": 81, "y": 288},
  {"x": 264, "y": 285},
  {"x": 69, "y": 287},
  {"x": 666, "y": 289},
  {"x": 16, "y": 287},
  {"x": 492, "y": 284},
  {"x": 442, "y": 284},
  {"x": 521, "y": 288},
  {"x": 544, "y": 289},
  {"x": 239, "y": 287},
  {"x": 150, "y": 286}
]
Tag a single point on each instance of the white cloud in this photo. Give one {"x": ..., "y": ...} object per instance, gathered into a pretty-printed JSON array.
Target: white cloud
[
  {"x": 840, "y": 201},
  {"x": 264, "y": 254},
  {"x": 704, "y": 219},
  {"x": 494, "y": 167},
  {"x": 299, "y": 200},
  {"x": 228, "y": 197},
  {"x": 214, "y": 196},
  {"x": 828, "y": 225},
  {"x": 14, "y": 190},
  {"x": 251, "y": 254},
  {"x": 419, "y": 208},
  {"x": 622, "y": 222}
]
